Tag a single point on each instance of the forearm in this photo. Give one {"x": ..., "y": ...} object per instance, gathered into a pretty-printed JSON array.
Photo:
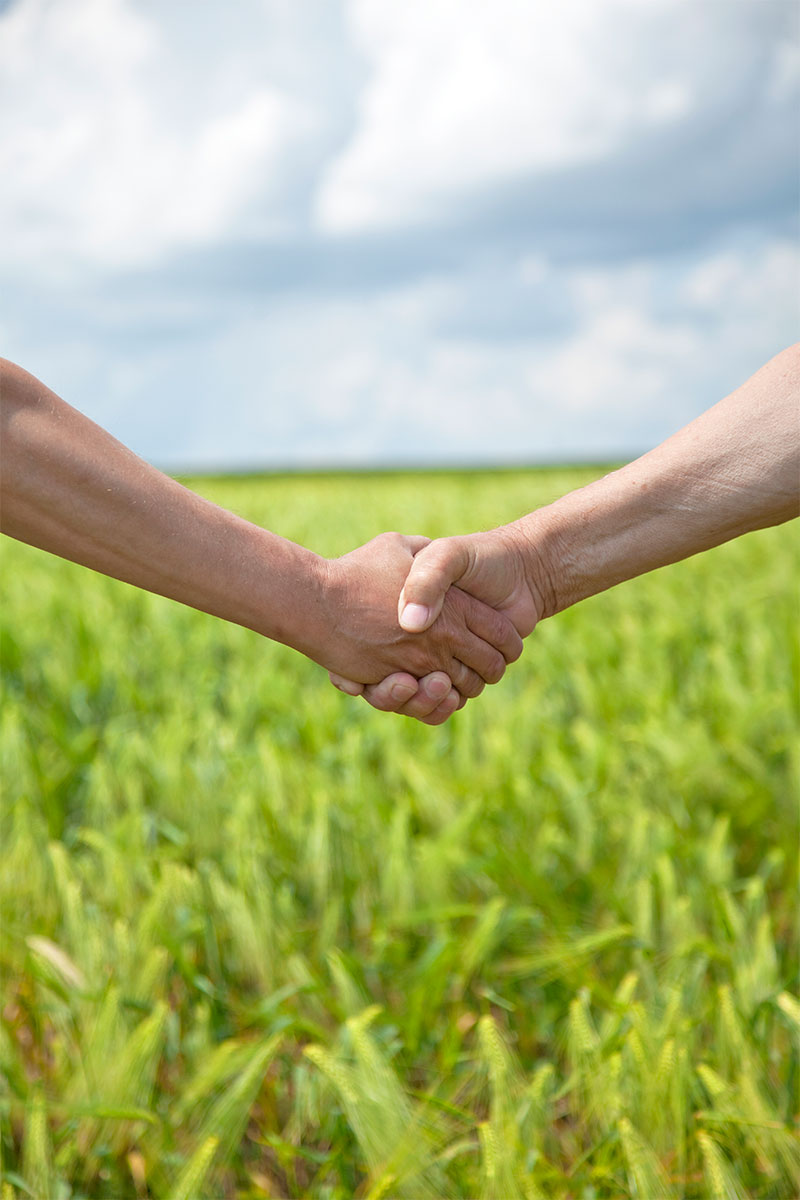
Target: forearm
[
  {"x": 734, "y": 469},
  {"x": 68, "y": 487}
]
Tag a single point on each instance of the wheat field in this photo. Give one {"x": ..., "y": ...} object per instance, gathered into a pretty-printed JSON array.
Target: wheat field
[{"x": 259, "y": 940}]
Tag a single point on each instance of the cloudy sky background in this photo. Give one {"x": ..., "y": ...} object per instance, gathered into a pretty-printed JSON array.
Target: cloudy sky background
[{"x": 285, "y": 233}]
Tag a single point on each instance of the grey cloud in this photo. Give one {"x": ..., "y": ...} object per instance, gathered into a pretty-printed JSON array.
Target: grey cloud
[{"x": 732, "y": 166}]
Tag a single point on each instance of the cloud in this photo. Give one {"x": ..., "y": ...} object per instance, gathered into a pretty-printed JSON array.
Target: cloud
[
  {"x": 414, "y": 375},
  {"x": 463, "y": 100},
  {"x": 360, "y": 232},
  {"x": 101, "y": 168}
]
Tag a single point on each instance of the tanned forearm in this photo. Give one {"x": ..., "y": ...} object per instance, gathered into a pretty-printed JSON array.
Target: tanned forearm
[{"x": 69, "y": 487}]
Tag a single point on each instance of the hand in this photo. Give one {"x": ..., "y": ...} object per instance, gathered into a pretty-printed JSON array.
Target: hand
[
  {"x": 432, "y": 699},
  {"x": 495, "y": 567},
  {"x": 467, "y": 640},
  {"x": 491, "y": 566}
]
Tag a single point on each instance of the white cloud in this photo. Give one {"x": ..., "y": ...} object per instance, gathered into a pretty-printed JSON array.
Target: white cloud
[
  {"x": 100, "y": 167},
  {"x": 463, "y": 97}
]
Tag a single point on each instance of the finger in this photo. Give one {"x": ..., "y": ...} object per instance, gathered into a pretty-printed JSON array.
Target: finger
[
  {"x": 491, "y": 626},
  {"x": 393, "y": 692},
  {"x": 473, "y": 652},
  {"x": 346, "y": 685},
  {"x": 434, "y": 702},
  {"x": 465, "y": 680},
  {"x": 434, "y": 568},
  {"x": 427, "y": 706},
  {"x": 434, "y": 691},
  {"x": 451, "y": 703}
]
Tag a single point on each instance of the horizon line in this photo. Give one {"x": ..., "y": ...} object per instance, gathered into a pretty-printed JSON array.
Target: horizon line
[{"x": 398, "y": 467}]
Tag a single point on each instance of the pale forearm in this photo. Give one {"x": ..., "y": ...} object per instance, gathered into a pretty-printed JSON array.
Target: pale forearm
[
  {"x": 735, "y": 469},
  {"x": 68, "y": 487}
]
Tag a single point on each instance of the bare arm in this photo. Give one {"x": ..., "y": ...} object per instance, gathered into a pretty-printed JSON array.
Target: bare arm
[
  {"x": 734, "y": 469},
  {"x": 67, "y": 486}
]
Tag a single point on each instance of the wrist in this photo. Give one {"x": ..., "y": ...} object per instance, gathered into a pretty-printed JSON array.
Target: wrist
[
  {"x": 306, "y": 621},
  {"x": 576, "y": 546},
  {"x": 598, "y": 536},
  {"x": 534, "y": 545},
  {"x": 274, "y": 587}
]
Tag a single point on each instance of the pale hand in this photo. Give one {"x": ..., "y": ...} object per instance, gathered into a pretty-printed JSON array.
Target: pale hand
[{"x": 495, "y": 567}]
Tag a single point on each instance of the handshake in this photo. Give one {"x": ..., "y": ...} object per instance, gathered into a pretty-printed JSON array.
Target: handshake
[
  {"x": 68, "y": 487},
  {"x": 465, "y": 603},
  {"x": 419, "y": 627}
]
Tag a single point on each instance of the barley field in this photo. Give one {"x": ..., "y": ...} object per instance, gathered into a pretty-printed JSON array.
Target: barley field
[{"x": 261, "y": 941}]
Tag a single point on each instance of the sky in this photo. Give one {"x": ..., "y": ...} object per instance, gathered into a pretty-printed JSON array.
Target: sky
[{"x": 312, "y": 233}]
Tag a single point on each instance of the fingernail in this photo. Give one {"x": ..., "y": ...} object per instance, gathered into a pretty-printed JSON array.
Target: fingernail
[
  {"x": 438, "y": 688},
  {"x": 414, "y": 617},
  {"x": 402, "y": 692}
]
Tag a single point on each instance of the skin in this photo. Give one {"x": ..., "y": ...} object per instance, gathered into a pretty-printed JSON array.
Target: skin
[
  {"x": 733, "y": 470},
  {"x": 68, "y": 487}
]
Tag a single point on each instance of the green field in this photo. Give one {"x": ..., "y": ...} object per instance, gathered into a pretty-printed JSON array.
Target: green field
[{"x": 260, "y": 940}]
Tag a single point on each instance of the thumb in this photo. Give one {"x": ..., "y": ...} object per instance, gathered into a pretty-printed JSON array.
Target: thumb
[{"x": 433, "y": 570}]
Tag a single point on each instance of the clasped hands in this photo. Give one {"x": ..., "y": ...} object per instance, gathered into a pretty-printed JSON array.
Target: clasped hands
[{"x": 422, "y": 626}]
